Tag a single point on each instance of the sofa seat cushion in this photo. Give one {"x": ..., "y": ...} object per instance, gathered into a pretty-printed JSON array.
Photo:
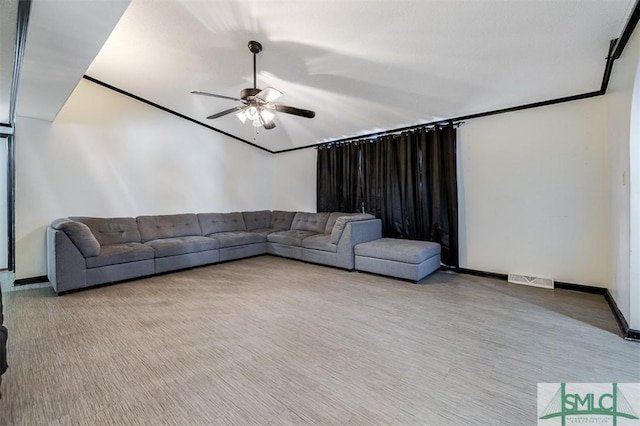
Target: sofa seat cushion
[
  {"x": 114, "y": 254},
  {"x": 320, "y": 242},
  {"x": 292, "y": 237},
  {"x": 265, "y": 231},
  {"x": 182, "y": 245},
  {"x": 237, "y": 238}
]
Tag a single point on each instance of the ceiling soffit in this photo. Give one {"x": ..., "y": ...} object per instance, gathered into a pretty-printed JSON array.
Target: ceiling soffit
[{"x": 63, "y": 38}]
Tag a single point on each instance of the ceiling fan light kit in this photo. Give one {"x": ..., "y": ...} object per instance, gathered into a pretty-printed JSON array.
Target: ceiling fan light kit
[{"x": 258, "y": 104}]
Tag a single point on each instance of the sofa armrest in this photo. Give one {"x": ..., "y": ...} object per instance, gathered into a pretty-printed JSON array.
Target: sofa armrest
[
  {"x": 80, "y": 235},
  {"x": 355, "y": 233},
  {"x": 66, "y": 266},
  {"x": 342, "y": 221}
]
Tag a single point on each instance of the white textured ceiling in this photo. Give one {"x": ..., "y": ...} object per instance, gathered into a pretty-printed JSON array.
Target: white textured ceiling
[{"x": 362, "y": 65}]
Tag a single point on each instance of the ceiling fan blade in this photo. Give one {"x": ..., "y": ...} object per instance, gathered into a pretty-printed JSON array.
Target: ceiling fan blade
[
  {"x": 225, "y": 112},
  {"x": 195, "y": 92},
  {"x": 269, "y": 125},
  {"x": 268, "y": 95},
  {"x": 294, "y": 111}
]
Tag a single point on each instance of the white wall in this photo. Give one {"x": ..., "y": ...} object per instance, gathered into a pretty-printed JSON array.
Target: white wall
[
  {"x": 555, "y": 191},
  {"x": 623, "y": 137},
  {"x": 634, "y": 207},
  {"x": 109, "y": 155},
  {"x": 533, "y": 194},
  {"x": 634, "y": 203},
  {"x": 294, "y": 180}
]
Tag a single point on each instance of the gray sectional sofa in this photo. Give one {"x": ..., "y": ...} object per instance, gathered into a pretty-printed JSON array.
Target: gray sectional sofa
[{"x": 88, "y": 251}]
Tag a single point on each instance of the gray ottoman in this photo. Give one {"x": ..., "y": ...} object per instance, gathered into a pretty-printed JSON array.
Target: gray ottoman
[{"x": 407, "y": 259}]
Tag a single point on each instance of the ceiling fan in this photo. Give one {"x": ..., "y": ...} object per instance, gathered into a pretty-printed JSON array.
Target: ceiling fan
[{"x": 257, "y": 105}]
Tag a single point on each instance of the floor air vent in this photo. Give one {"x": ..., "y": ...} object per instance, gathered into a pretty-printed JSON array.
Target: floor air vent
[{"x": 532, "y": 281}]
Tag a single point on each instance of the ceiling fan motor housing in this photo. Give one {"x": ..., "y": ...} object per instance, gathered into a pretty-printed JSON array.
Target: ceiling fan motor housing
[{"x": 245, "y": 94}]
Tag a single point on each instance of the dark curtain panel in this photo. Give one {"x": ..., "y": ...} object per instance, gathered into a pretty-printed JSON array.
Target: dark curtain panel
[
  {"x": 439, "y": 179},
  {"x": 338, "y": 181},
  {"x": 409, "y": 181},
  {"x": 373, "y": 160},
  {"x": 447, "y": 139}
]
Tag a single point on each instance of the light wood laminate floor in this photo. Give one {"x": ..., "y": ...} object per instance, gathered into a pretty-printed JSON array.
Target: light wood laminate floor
[{"x": 274, "y": 341}]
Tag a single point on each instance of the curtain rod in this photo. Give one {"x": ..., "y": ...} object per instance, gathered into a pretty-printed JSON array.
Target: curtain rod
[{"x": 391, "y": 132}]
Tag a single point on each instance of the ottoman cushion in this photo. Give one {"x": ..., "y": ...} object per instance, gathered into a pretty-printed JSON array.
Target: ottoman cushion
[
  {"x": 407, "y": 251},
  {"x": 407, "y": 259}
]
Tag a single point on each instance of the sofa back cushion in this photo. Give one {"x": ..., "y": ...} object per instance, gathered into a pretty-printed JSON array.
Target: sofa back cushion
[
  {"x": 257, "y": 220},
  {"x": 281, "y": 219},
  {"x": 80, "y": 235},
  {"x": 112, "y": 230},
  {"x": 342, "y": 221},
  {"x": 211, "y": 223},
  {"x": 315, "y": 222},
  {"x": 168, "y": 226},
  {"x": 332, "y": 220}
]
